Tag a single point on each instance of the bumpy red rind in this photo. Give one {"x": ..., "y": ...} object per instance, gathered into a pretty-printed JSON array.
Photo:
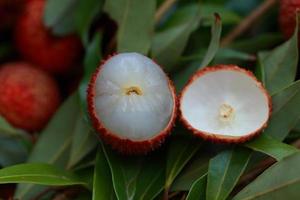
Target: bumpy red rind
[
  {"x": 287, "y": 16},
  {"x": 216, "y": 137},
  {"x": 29, "y": 96},
  {"x": 127, "y": 146}
]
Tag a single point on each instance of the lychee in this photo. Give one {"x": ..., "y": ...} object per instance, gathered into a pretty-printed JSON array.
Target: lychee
[
  {"x": 225, "y": 103},
  {"x": 29, "y": 96},
  {"x": 287, "y": 16},
  {"x": 132, "y": 103},
  {"x": 39, "y": 46}
]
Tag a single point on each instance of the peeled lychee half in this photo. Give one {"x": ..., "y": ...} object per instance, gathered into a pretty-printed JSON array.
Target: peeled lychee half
[
  {"x": 29, "y": 96},
  {"x": 132, "y": 103},
  {"x": 225, "y": 103}
]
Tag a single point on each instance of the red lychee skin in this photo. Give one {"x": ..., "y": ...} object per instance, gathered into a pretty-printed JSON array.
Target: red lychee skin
[
  {"x": 127, "y": 146},
  {"x": 29, "y": 96},
  {"x": 37, "y": 45},
  {"x": 224, "y": 138},
  {"x": 287, "y": 16}
]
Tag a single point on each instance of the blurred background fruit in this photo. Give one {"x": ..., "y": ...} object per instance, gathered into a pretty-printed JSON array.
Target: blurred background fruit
[
  {"x": 29, "y": 96},
  {"x": 37, "y": 44}
]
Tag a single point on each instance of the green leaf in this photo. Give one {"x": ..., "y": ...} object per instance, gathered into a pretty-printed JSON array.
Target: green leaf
[
  {"x": 59, "y": 16},
  {"x": 169, "y": 43},
  {"x": 12, "y": 151},
  {"x": 197, "y": 168},
  {"x": 7, "y": 130},
  {"x": 280, "y": 64},
  {"x": 177, "y": 158},
  {"x": 83, "y": 142},
  {"x": 280, "y": 181},
  {"x": 181, "y": 78},
  {"x": 271, "y": 147},
  {"x": 197, "y": 191},
  {"x": 225, "y": 55},
  {"x": 213, "y": 47},
  {"x": 54, "y": 143},
  {"x": 135, "y": 19},
  {"x": 91, "y": 62},
  {"x": 103, "y": 186},
  {"x": 224, "y": 172},
  {"x": 260, "y": 71},
  {"x": 136, "y": 177},
  {"x": 228, "y": 17},
  {"x": 260, "y": 42},
  {"x": 38, "y": 173},
  {"x": 86, "y": 12},
  {"x": 285, "y": 114}
]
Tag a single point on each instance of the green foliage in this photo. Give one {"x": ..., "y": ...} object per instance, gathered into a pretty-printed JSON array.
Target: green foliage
[
  {"x": 64, "y": 17},
  {"x": 281, "y": 181},
  {"x": 169, "y": 42},
  {"x": 102, "y": 186},
  {"x": 136, "y": 177},
  {"x": 271, "y": 147},
  {"x": 136, "y": 23},
  {"x": 181, "y": 78},
  {"x": 178, "y": 157},
  {"x": 38, "y": 173},
  {"x": 91, "y": 62},
  {"x": 181, "y": 42},
  {"x": 280, "y": 62},
  {"x": 224, "y": 172}
]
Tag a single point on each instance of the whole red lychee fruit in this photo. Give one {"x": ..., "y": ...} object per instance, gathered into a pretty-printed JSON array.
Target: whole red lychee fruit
[
  {"x": 29, "y": 96},
  {"x": 38, "y": 45},
  {"x": 9, "y": 12},
  {"x": 287, "y": 16}
]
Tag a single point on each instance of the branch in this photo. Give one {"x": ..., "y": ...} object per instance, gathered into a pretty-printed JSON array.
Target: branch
[
  {"x": 163, "y": 9},
  {"x": 248, "y": 21}
]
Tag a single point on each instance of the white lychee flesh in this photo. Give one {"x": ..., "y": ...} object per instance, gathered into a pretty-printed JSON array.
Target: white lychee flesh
[
  {"x": 133, "y": 98},
  {"x": 226, "y": 102}
]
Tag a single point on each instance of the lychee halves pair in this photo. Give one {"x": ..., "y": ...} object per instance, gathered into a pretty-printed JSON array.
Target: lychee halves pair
[{"x": 133, "y": 105}]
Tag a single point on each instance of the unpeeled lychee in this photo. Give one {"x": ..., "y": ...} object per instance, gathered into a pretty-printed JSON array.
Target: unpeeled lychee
[
  {"x": 226, "y": 104},
  {"x": 132, "y": 103},
  {"x": 29, "y": 96},
  {"x": 287, "y": 16},
  {"x": 38, "y": 45}
]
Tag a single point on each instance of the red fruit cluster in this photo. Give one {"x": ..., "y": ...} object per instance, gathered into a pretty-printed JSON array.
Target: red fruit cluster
[
  {"x": 29, "y": 96},
  {"x": 38, "y": 45},
  {"x": 287, "y": 16}
]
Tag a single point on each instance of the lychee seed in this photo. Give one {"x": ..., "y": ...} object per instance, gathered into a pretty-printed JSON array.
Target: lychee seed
[
  {"x": 132, "y": 103},
  {"x": 225, "y": 103}
]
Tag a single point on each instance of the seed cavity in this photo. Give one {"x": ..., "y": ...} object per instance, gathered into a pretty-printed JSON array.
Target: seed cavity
[
  {"x": 133, "y": 90},
  {"x": 226, "y": 113}
]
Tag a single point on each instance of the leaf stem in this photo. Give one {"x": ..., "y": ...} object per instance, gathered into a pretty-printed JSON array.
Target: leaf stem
[{"x": 245, "y": 24}]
